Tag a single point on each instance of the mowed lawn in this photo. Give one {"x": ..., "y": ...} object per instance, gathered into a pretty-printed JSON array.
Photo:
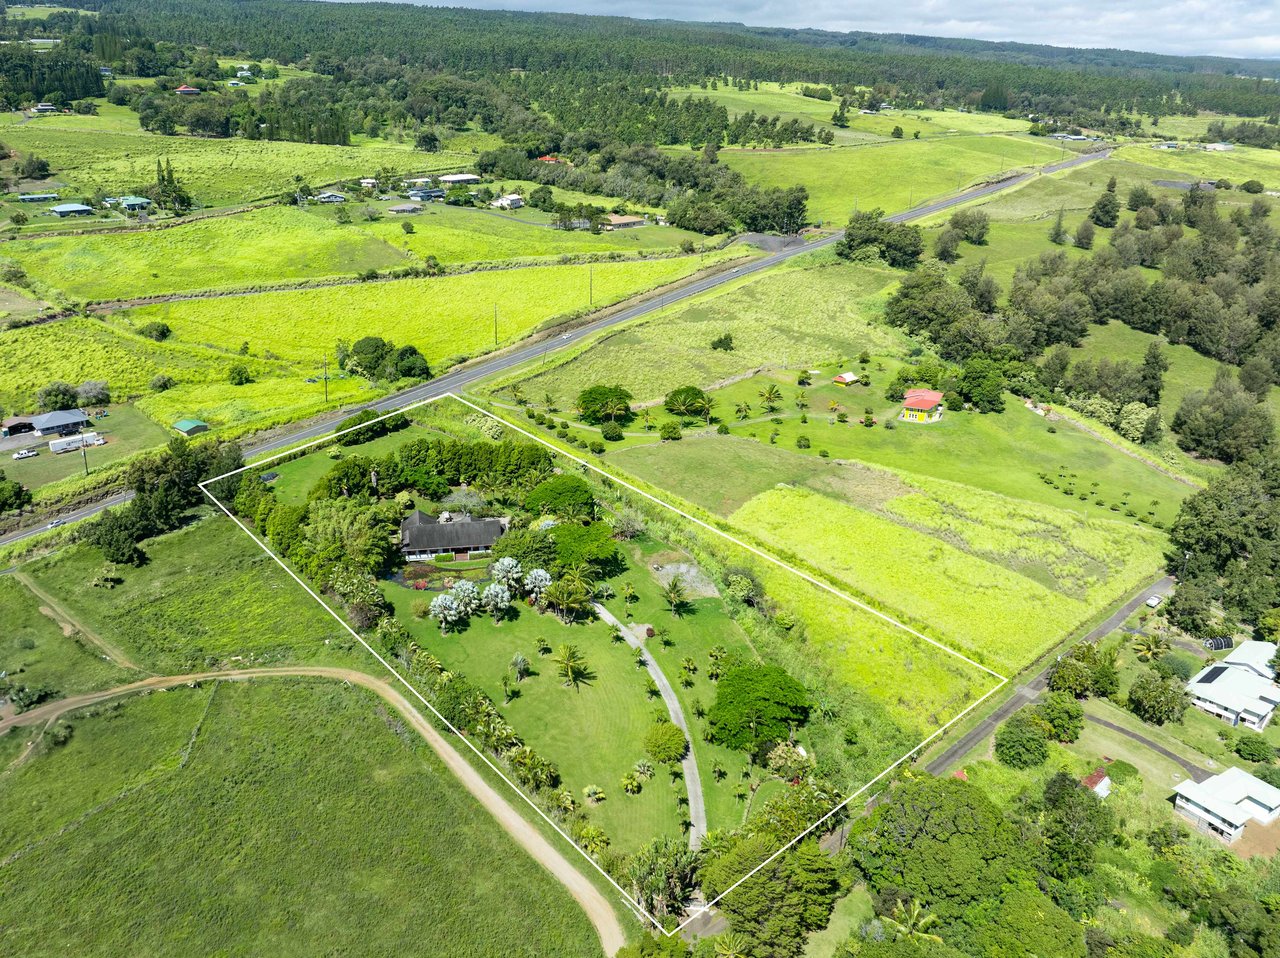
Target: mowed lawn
[
  {"x": 454, "y": 234},
  {"x": 267, "y": 245},
  {"x": 207, "y": 596},
  {"x": 593, "y": 734},
  {"x": 823, "y": 312},
  {"x": 893, "y": 176},
  {"x": 126, "y": 429},
  {"x": 448, "y": 316},
  {"x": 285, "y": 817}
]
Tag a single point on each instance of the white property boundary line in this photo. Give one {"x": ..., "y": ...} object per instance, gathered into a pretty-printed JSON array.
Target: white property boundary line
[{"x": 630, "y": 903}]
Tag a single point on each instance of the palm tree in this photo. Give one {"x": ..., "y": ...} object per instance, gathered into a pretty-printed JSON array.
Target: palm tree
[
  {"x": 833, "y": 406},
  {"x": 578, "y": 577},
  {"x": 567, "y": 598},
  {"x": 911, "y": 923},
  {"x": 648, "y": 421},
  {"x": 802, "y": 400},
  {"x": 1150, "y": 648},
  {"x": 675, "y": 596},
  {"x": 520, "y": 666},
  {"x": 703, "y": 406},
  {"x": 549, "y": 401},
  {"x": 742, "y": 410},
  {"x": 571, "y": 665},
  {"x": 631, "y": 783},
  {"x": 770, "y": 396},
  {"x": 732, "y": 945},
  {"x": 517, "y": 395}
]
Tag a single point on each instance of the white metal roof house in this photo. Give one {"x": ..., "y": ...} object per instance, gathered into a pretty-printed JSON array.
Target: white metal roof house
[
  {"x": 1224, "y": 804},
  {"x": 1236, "y": 694},
  {"x": 511, "y": 201},
  {"x": 329, "y": 196},
  {"x": 60, "y": 423},
  {"x": 458, "y": 179},
  {"x": 1255, "y": 657}
]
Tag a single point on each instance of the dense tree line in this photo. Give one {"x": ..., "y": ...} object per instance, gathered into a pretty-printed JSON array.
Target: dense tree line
[{"x": 1045, "y": 81}]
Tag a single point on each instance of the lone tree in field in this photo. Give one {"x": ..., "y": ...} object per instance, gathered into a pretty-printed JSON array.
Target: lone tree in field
[
  {"x": 571, "y": 666},
  {"x": 675, "y": 596},
  {"x": 755, "y": 706},
  {"x": 770, "y": 397},
  {"x": 1022, "y": 741},
  {"x": 687, "y": 402},
  {"x": 665, "y": 743}
]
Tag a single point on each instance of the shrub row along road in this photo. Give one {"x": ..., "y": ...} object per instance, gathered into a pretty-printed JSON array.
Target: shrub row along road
[
  {"x": 472, "y": 373},
  {"x": 593, "y": 902}
]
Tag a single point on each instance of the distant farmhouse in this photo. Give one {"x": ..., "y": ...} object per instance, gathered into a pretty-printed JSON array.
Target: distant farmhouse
[
  {"x": 459, "y": 179},
  {"x": 922, "y": 405},
  {"x": 511, "y": 201},
  {"x": 1224, "y": 804},
  {"x": 452, "y": 534},
  {"x": 845, "y": 379},
  {"x": 1241, "y": 689},
  {"x": 59, "y": 423},
  {"x": 615, "y": 222},
  {"x": 185, "y": 90},
  {"x": 63, "y": 210},
  {"x": 329, "y": 196}
]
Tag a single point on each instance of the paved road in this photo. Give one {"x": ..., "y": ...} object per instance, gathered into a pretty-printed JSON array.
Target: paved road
[
  {"x": 692, "y": 780},
  {"x": 463, "y": 377},
  {"x": 1030, "y": 691},
  {"x": 593, "y": 902},
  {"x": 1195, "y": 771}
]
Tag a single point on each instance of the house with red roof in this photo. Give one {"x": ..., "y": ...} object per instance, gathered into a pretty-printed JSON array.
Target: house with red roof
[
  {"x": 922, "y": 405},
  {"x": 845, "y": 379},
  {"x": 187, "y": 90}
]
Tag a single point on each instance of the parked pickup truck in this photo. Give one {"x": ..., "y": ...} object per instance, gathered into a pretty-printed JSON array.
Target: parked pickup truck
[{"x": 26, "y": 454}]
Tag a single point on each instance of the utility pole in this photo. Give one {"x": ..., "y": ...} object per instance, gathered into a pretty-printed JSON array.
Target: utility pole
[
  {"x": 325, "y": 376},
  {"x": 84, "y": 453}
]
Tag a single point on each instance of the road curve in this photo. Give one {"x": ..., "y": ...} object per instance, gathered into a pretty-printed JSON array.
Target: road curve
[
  {"x": 593, "y": 902},
  {"x": 1031, "y": 690},
  {"x": 463, "y": 377}
]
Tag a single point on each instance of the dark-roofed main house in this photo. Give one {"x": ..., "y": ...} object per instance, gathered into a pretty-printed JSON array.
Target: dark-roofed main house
[{"x": 453, "y": 534}]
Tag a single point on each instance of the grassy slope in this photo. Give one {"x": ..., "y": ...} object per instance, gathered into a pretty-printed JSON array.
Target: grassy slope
[
  {"x": 809, "y": 313},
  {"x": 35, "y": 355},
  {"x": 893, "y": 175},
  {"x": 207, "y": 594},
  {"x": 456, "y": 235},
  {"x": 305, "y": 821},
  {"x": 443, "y": 317},
  {"x": 35, "y": 650},
  {"x": 215, "y": 172},
  {"x": 991, "y": 612},
  {"x": 1242, "y": 163},
  {"x": 1188, "y": 369},
  {"x": 262, "y": 246}
]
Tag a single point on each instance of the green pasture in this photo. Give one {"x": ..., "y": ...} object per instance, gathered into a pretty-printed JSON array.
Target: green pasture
[
  {"x": 297, "y": 476},
  {"x": 1003, "y": 453},
  {"x": 207, "y": 596},
  {"x": 99, "y": 158},
  {"x": 266, "y": 245},
  {"x": 444, "y": 317},
  {"x": 1188, "y": 370},
  {"x": 967, "y": 597},
  {"x": 33, "y": 356},
  {"x": 1237, "y": 165},
  {"x": 454, "y": 234},
  {"x": 893, "y": 176},
  {"x": 593, "y": 734},
  {"x": 19, "y": 304},
  {"x": 126, "y": 430},
  {"x": 36, "y": 650},
  {"x": 39, "y": 12},
  {"x": 790, "y": 314},
  {"x": 210, "y": 814}
]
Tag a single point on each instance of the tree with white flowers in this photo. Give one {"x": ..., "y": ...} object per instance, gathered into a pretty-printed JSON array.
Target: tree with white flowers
[
  {"x": 445, "y": 610},
  {"x": 467, "y": 596},
  {"x": 496, "y": 599},
  {"x": 506, "y": 572},
  {"x": 536, "y": 582}
]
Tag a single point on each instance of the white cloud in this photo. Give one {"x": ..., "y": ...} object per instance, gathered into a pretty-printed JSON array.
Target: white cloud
[{"x": 1243, "y": 28}]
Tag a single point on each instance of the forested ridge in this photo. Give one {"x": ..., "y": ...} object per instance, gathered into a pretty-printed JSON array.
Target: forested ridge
[{"x": 1030, "y": 78}]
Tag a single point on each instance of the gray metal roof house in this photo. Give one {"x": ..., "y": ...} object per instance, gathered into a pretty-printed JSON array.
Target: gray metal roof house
[
  {"x": 60, "y": 423},
  {"x": 453, "y": 534}
]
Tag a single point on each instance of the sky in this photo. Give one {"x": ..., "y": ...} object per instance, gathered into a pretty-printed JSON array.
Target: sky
[{"x": 1238, "y": 28}]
